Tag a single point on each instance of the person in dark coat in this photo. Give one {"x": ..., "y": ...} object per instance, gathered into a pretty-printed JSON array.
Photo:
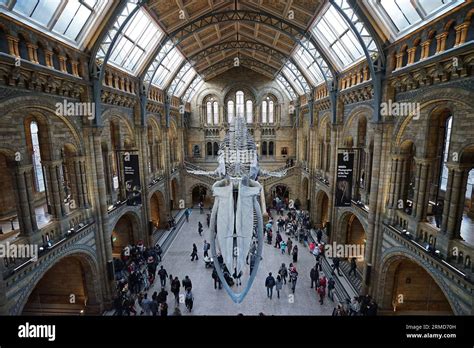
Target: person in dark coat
[
  {"x": 187, "y": 283},
  {"x": 163, "y": 275},
  {"x": 314, "y": 276},
  {"x": 194, "y": 254},
  {"x": 217, "y": 280},
  {"x": 175, "y": 286},
  {"x": 270, "y": 284},
  {"x": 295, "y": 253}
]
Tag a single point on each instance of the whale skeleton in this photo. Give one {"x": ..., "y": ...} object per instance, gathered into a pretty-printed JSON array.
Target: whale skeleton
[{"x": 236, "y": 213}]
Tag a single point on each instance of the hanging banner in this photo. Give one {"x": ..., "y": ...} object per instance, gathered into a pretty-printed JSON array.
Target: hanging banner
[
  {"x": 345, "y": 167},
  {"x": 132, "y": 179}
]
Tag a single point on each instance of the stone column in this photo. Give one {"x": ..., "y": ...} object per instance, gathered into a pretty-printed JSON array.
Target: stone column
[
  {"x": 76, "y": 164},
  {"x": 51, "y": 169},
  {"x": 24, "y": 209},
  {"x": 456, "y": 203},
  {"x": 28, "y": 176},
  {"x": 421, "y": 194}
]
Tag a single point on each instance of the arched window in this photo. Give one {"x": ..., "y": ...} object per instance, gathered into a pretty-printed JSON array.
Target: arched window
[
  {"x": 264, "y": 148},
  {"x": 249, "y": 111},
  {"x": 264, "y": 112},
  {"x": 36, "y": 156},
  {"x": 270, "y": 111},
  {"x": 209, "y": 113},
  {"x": 216, "y": 113},
  {"x": 447, "y": 139},
  {"x": 270, "y": 148},
  {"x": 239, "y": 100},
  {"x": 216, "y": 149},
  {"x": 230, "y": 111},
  {"x": 209, "y": 149}
]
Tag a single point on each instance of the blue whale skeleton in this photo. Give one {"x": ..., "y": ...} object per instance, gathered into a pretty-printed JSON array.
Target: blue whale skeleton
[{"x": 236, "y": 212}]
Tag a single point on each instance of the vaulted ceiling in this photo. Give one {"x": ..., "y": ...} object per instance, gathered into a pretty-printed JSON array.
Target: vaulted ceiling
[{"x": 212, "y": 49}]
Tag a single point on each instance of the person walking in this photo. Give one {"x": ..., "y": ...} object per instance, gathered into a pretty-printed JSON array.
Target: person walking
[
  {"x": 146, "y": 305},
  {"x": 187, "y": 284},
  {"x": 270, "y": 283},
  {"x": 162, "y": 296},
  {"x": 194, "y": 254},
  {"x": 186, "y": 214},
  {"x": 314, "y": 276},
  {"x": 201, "y": 208},
  {"x": 319, "y": 235},
  {"x": 200, "y": 228},
  {"x": 353, "y": 267},
  {"x": 283, "y": 247},
  {"x": 289, "y": 245},
  {"x": 205, "y": 248},
  {"x": 278, "y": 285},
  {"x": 335, "y": 266},
  {"x": 175, "y": 286},
  {"x": 295, "y": 253},
  {"x": 159, "y": 251},
  {"x": 321, "y": 292},
  {"x": 283, "y": 272},
  {"x": 208, "y": 220},
  {"x": 189, "y": 299},
  {"x": 331, "y": 289},
  {"x": 163, "y": 276},
  {"x": 217, "y": 280},
  {"x": 293, "y": 277}
]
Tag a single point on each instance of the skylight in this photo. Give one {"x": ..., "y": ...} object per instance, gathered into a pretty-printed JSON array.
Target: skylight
[
  {"x": 307, "y": 64},
  {"x": 404, "y": 16},
  {"x": 182, "y": 79},
  {"x": 70, "y": 20},
  {"x": 136, "y": 43},
  {"x": 283, "y": 83},
  {"x": 296, "y": 79},
  {"x": 335, "y": 34},
  {"x": 193, "y": 88},
  {"x": 168, "y": 66}
]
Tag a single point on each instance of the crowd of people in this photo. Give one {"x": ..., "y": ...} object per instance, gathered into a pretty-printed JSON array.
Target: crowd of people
[{"x": 137, "y": 268}]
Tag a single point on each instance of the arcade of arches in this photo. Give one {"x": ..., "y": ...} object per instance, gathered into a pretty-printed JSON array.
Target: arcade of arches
[{"x": 75, "y": 180}]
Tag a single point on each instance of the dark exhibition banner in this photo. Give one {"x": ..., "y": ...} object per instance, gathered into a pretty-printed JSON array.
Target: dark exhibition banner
[
  {"x": 132, "y": 179},
  {"x": 345, "y": 168}
]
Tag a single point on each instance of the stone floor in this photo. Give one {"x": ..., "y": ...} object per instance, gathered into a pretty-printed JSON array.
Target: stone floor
[{"x": 208, "y": 301}]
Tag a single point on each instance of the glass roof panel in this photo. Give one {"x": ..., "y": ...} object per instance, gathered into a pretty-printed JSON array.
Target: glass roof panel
[
  {"x": 69, "y": 20},
  {"x": 193, "y": 88},
  {"x": 307, "y": 64},
  {"x": 403, "y": 16},
  {"x": 168, "y": 66},
  {"x": 136, "y": 43},
  {"x": 283, "y": 83},
  {"x": 335, "y": 34}
]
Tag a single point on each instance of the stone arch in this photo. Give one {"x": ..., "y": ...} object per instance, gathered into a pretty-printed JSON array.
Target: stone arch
[
  {"x": 390, "y": 261},
  {"x": 88, "y": 259},
  {"x": 349, "y": 219},
  {"x": 127, "y": 229},
  {"x": 355, "y": 115},
  {"x": 158, "y": 209},
  {"x": 305, "y": 192},
  {"x": 322, "y": 209},
  {"x": 192, "y": 192}
]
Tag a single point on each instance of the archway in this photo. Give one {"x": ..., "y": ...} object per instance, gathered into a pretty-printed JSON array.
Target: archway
[
  {"x": 124, "y": 233},
  {"x": 174, "y": 194},
  {"x": 8, "y": 202},
  {"x": 157, "y": 210},
  {"x": 410, "y": 290},
  {"x": 322, "y": 209},
  {"x": 355, "y": 233},
  {"x": 67, "y": 288},
  {"x": 304, "y": 193},
  {"x": 200, "y": 194},
  {"x": 279, "y": 196}
]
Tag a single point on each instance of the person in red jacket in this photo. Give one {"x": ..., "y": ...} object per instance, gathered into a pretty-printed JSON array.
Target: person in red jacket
[
  {"x": 322, "y": 292},
  {"x": 323, "y": 280}
]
